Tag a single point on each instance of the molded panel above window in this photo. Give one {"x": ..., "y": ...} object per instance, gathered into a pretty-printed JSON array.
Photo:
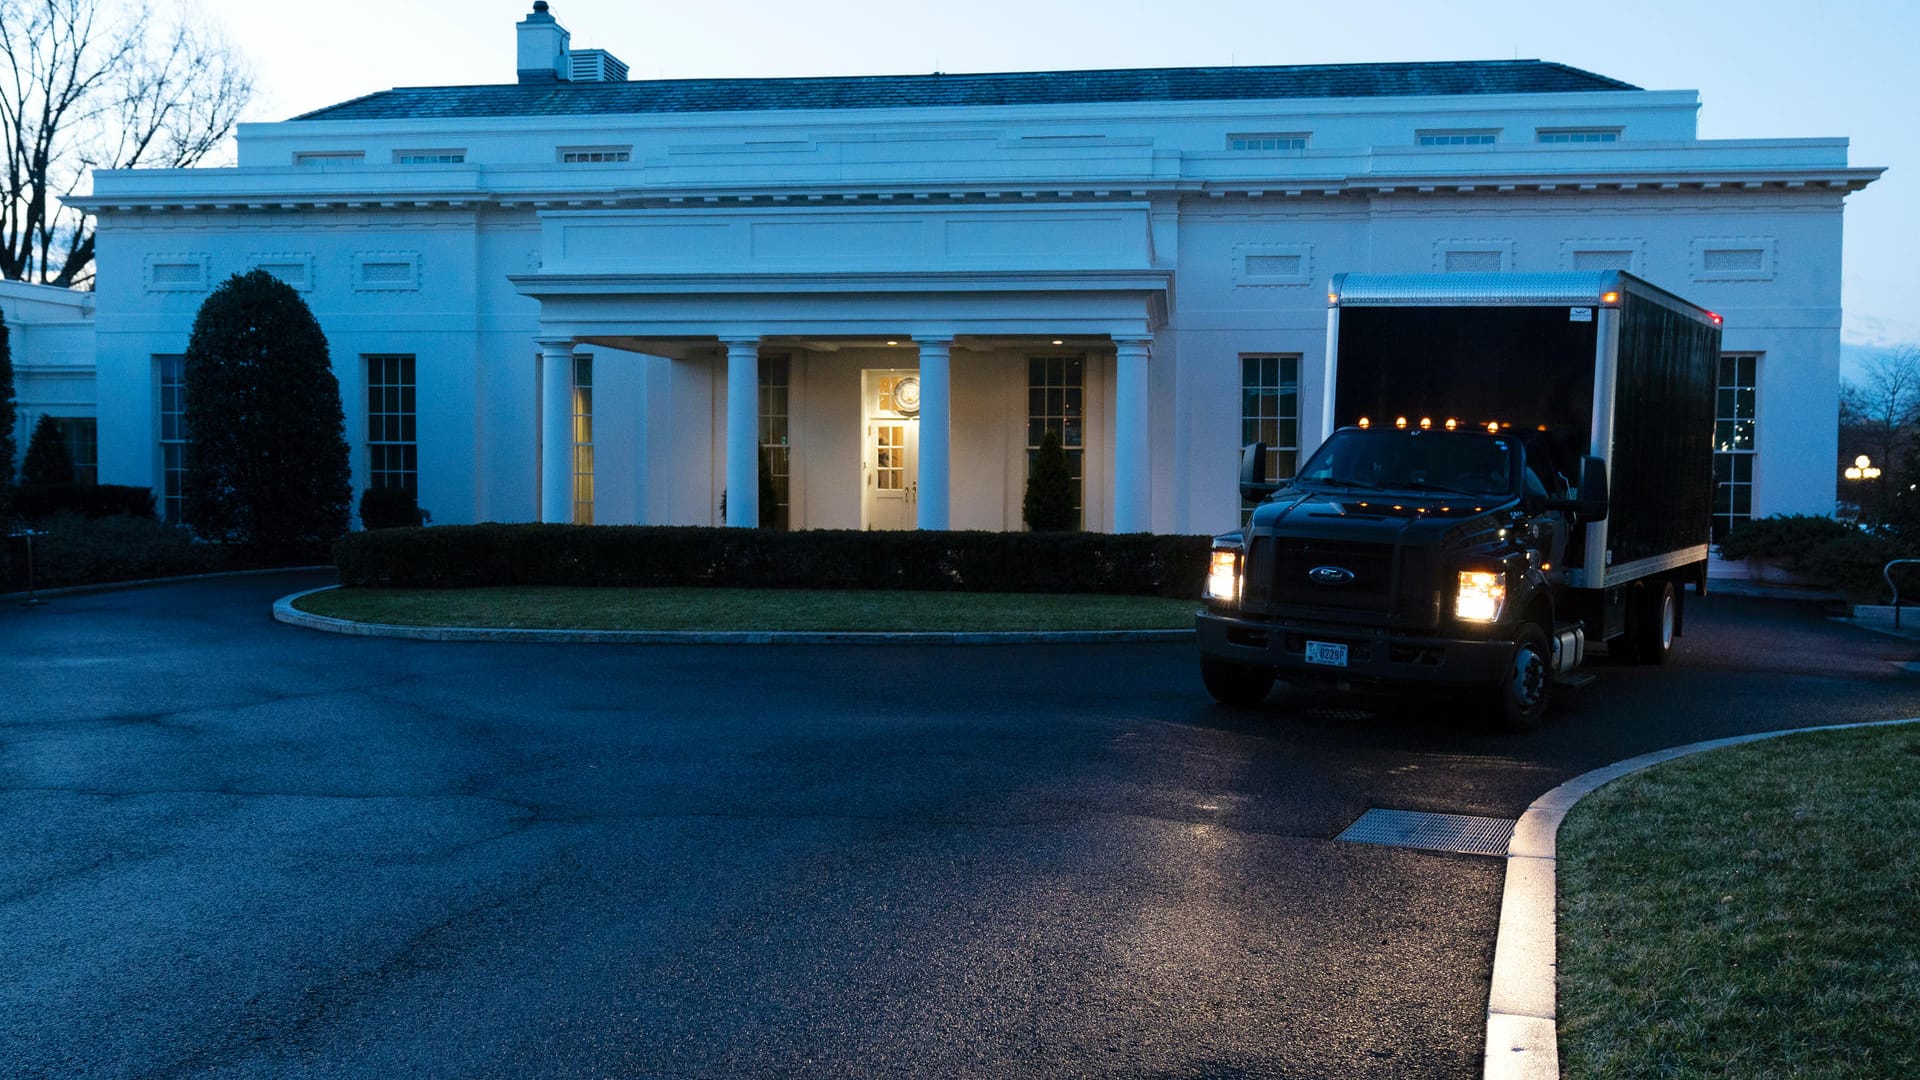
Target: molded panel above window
[
  {"x": 1474, "y": 255},
  {"x": 294, "y": 268},
  {"x": 1733, "y": 258},
  {"x": 186, "y": 272},
  {"x": 386, "y": 271},
  {"x": 1604, "y": 253},
  {"x": 1267, "y": 265}
]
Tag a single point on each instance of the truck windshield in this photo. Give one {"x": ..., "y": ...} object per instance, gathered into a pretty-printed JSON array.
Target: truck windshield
[{"x": 1448, "y": 462}]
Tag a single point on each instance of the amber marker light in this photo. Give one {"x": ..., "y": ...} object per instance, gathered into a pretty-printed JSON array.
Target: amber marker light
[
  {"x": 1493, "y": 427},
  {"x": 1365, "y": 423},
  {"x": 1400, "y": 422},
  {"x": 1452, "y": 423},
  {"x": 1426, "y": 423},
  {"x": 1609, "y": 297}
]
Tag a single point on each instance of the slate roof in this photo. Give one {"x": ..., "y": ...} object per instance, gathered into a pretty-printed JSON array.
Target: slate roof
[{"x": 941, "y": 90}]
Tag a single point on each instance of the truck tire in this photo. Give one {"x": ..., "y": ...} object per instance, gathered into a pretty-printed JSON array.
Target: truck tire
[
  {"x": 1235, "y": 684},
  {"x": 1651, "y": 622},
  {"x": 1520, "y": 700}
]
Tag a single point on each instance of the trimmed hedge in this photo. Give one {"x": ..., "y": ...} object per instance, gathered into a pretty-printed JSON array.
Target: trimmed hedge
[
  {"x": 1787, "y": 537},
  {"x": 466, "y": 556},
  {"x": 74, "y": 550},
  {"x": 389, "y": 508},
  {"x": 36, "y": 501}
]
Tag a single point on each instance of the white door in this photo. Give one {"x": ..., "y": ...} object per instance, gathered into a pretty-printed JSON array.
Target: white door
[{"x": 890, "y": 467}]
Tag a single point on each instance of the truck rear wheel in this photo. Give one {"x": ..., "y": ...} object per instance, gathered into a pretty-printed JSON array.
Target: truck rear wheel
[
  {"x": 1521, "y": 699},
  {"x": 1235, "y": 684},
  {"x": 1651, "y": 623}
]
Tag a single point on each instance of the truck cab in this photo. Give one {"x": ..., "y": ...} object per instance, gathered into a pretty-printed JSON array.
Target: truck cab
[{"x": 1402, "y": 555}]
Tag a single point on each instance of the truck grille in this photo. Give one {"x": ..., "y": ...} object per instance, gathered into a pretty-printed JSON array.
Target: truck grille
[{"x": 1280, "y": 575}]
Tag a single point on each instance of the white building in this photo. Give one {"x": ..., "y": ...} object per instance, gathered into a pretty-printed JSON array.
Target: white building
[
  {"x": 50, "y": 340},
  {"x": 573, "y": 299}
]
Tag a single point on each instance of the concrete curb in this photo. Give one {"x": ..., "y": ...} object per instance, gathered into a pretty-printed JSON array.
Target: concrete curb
[
  {"x": 284, "y": 611},
  {"x": 1522, "y": 1039},
  {"x": 140, "y": 583}
]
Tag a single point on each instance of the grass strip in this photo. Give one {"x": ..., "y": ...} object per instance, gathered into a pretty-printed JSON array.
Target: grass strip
[
  {"x": 560, "y": 608},
  {"x": 1750, "y": 912}
]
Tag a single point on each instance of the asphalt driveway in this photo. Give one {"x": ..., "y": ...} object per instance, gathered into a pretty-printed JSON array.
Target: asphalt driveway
[{"x": 234, "y": 848}]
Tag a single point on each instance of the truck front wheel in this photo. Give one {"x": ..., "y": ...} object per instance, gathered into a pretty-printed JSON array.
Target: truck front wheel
[
  {"x": 1235, "y": 684},
  {"x": 1521, "y": 699}
]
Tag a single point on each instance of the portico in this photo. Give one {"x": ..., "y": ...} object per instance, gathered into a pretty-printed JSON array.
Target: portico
[{"x": 953, "y": 299}]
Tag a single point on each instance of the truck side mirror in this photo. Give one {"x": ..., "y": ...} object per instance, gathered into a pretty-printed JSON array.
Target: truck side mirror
[
  {"x": 1254, "y": 485},
  {"x": 1591, "y": 503}
]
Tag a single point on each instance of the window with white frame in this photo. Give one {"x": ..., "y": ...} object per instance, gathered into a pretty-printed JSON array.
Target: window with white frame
[
  {"x": 170, "y": 375},
  {"x": 1056, "y": 392},
  {"x": 1734, "y": 413},
  {"x": 1293, "y": 140},
  {"x": 1577, "y": 135},
  {"x": 583, "y": 440},
  {"x": 330, "y": 157},
  {"x": 1270, "y": 413},
  {"x": 430, "y": 157},
  {"x": 1457, "y": 137},
  {"x": 392, "y": 451},
  {"x": 588, "y": 155},
  {"x": 775, "y": 448}
]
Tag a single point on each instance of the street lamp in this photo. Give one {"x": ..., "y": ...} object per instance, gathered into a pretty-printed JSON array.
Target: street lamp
[{"x": 1863, "y": 469}]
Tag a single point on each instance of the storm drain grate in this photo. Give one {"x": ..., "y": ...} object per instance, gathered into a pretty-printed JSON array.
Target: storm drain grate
[{"x": 1431, "y": 832}]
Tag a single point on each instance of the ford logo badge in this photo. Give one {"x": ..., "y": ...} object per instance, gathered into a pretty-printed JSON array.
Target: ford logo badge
[{"x": 1330, "y": 575}]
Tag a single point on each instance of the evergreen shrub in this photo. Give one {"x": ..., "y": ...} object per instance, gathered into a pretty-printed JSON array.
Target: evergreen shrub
[
  {"x": 389, "y": 508},
  {"x": 1048, "y": 503},
  {"x": 48, "y": 460},
  {"x": 266, "y": 443},
  {"x": 1786, "y": 538},
  {"x": 467, "y": 556},
  {"x": 34, "y": 502}
]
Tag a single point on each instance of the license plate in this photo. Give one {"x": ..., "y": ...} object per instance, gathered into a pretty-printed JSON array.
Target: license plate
[{"x": 1326, "y": 652}]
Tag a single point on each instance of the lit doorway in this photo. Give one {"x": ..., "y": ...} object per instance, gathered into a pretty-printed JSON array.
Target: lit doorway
[{"x": 890, "y": 462}]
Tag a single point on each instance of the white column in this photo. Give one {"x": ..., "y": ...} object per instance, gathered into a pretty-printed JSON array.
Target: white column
[
  {"x": 556, "y": 431},
  {"x": 743, "y": 433},
  {"x": 935, "y": 501},
  {"x": 1131, "y": 462}
]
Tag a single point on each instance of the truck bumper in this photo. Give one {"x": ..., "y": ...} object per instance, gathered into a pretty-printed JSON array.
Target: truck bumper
[{"x": 1374, "y": 657}]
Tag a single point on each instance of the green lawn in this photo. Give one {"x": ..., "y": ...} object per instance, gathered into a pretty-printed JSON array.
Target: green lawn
[
  {"x": 748, "y": 609},
  {"x": 1748, "y": 912}
]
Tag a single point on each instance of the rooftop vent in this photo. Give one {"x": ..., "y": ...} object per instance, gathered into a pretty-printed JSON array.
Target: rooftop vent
[{"x": 595, "y": 65}]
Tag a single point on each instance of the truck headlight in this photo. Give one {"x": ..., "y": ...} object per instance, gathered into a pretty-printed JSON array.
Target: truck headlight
[
  {"x": 1481, "y": 595},
  {"x": 1223, "y": 576}
]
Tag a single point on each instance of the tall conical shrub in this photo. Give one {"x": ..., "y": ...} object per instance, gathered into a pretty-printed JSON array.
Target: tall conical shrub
[
  {"x": 48, "y": 460},
  {"x": 1048, "y": 505},
  {"x": 266, "y": 445}
]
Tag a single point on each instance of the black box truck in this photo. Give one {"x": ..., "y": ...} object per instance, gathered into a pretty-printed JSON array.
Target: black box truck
[{"x": 1517, "y": 466}]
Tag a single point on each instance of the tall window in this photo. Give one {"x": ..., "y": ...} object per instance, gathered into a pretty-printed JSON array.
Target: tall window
[
  {"x": 171, "y": 375},
  {"x": 81, "y": 434},
  {"x": 583, "y": 440},
  {"x": 392, "y": 456},
  {"x": 775, "y": 449},
  {"x": 1056, "y": 388},
  {"x": 1270, "y": 413},
  {"x": 1733, "y": 445}
]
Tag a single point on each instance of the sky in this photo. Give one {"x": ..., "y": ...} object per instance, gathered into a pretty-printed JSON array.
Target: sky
[{"x": 1764, "y": 68}]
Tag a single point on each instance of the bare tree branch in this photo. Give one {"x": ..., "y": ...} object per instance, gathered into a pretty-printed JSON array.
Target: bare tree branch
[{"x": 99, "y": 84}]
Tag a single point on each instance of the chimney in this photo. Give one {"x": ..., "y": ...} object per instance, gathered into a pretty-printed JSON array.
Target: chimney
[{"x": 543, "y": 47}]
